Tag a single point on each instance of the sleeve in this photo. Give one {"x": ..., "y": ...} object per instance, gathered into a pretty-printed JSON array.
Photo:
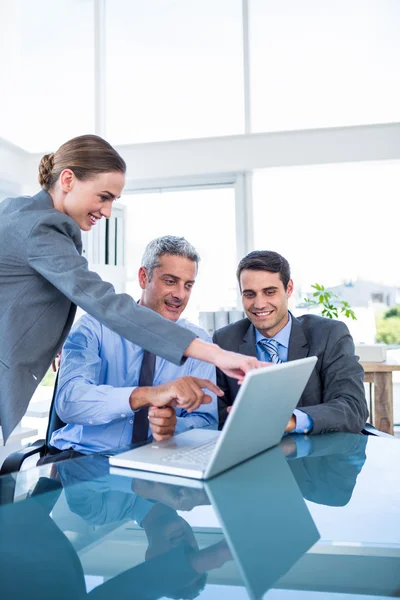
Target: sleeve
[
  {"x": 344, "y": 407},
  {"x": 80, "y": 400},
  {"x": 52, "y": 253},
  {"x": 207, "y": 414},
  {"x": 304, "y": 422}
]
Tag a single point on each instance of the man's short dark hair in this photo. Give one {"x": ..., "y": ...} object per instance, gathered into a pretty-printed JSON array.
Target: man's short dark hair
[{"x": 265, "y": 260}]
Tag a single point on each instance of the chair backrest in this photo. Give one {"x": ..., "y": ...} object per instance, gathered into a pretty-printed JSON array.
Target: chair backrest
[{"x": 54, "y": 420}]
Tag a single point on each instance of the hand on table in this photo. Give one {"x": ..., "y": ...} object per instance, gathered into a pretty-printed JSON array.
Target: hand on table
[{"x": 291, "y": 425}]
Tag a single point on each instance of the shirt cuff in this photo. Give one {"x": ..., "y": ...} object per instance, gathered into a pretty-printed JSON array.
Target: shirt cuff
[
  {"x": 118, "y": 402},
  {"x": 131, "y": 411},
  {"x": 304, "y": 422}
]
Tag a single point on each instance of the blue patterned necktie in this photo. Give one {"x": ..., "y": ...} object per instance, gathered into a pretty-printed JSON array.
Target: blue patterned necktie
[{"x": 271, "y": 347}]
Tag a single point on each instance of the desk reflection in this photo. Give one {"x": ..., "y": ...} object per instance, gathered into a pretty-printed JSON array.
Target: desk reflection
[
  {"x": 326, "y": 467},
  {"x": 265, "y": 523}
]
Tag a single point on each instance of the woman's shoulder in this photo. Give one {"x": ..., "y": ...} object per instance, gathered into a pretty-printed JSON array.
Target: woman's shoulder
[
  {"x": 18, "y": 215},
  {"x": 44, "y": 218},
  {"x": 40, "y": 200},
  {"x": 34, "y": 210},
  {"x": 13, "y": 205}
]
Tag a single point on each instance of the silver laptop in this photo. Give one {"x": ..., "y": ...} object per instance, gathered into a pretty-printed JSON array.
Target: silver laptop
[{"x": 257, "y": 421}]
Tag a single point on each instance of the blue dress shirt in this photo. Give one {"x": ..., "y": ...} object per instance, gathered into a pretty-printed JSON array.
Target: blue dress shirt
[
  {"x": 99, "y": 370},
  {"x": 304, "y": 423}
]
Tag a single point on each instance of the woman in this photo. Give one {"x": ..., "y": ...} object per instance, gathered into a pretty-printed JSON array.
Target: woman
[{"x": 43, "y": 277}]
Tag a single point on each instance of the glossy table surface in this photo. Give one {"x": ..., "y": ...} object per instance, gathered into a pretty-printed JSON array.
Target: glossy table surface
[{"x": 316, "y": 517}]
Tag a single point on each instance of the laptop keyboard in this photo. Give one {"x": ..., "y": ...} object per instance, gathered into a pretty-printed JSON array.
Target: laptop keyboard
[{"x": 197, "y": 455}]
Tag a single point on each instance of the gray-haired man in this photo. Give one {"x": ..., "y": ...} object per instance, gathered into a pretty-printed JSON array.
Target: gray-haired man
[{"x": 101, "y": 390}]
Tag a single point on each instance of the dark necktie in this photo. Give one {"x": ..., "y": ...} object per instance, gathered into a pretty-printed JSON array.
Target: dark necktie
[{"x": 141, "y": 422}]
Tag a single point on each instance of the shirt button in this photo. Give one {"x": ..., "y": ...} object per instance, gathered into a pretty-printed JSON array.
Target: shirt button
[
  {"x": 306, "y": 431},
  {"x": 123, "y": 415},
  {"x": 90, "y": 422},
  {"x": 131, "y": 421}
]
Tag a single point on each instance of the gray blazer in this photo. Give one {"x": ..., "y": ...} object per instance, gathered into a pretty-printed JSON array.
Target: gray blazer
[
  {"x": 42, "y": 278},
  {"x": 334, "y": 396}
]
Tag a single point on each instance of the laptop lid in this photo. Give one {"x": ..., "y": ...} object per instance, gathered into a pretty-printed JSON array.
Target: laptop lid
[{"x": 260, "y": 413}]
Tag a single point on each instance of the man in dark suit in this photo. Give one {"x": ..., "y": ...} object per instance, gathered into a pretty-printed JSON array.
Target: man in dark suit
[{"x": 334, "y": 398}]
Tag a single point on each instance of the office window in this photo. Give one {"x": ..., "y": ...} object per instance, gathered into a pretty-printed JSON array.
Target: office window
[
  {"x": 174, "y": 69},
  {"x": 206, "y": 218},
  {"x": 336, "y": 224},
  {"x": 46, "y": 72},
  {"x": 324, "y": 64}
]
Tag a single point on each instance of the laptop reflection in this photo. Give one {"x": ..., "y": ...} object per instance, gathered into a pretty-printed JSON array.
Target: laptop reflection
[{"x": 266, "y": 524}]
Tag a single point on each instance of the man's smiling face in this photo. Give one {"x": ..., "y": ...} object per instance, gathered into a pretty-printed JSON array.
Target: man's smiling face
[
  {"x": 265, "y": 300},
  {"x": 168, "y": 291}
]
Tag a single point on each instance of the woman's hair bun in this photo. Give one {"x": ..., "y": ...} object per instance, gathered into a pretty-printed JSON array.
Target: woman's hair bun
[{"x": 46, "y": 170}]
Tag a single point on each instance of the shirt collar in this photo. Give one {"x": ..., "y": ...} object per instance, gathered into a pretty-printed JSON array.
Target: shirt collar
[{"x": 282, "y": 337}]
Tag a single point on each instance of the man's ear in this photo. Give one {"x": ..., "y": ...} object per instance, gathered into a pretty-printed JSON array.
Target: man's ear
[
  {"x": 143, "y": 278},
  {"x": 290, "y": 288}
]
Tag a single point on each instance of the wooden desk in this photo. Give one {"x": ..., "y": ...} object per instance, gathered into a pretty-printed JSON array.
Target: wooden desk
[{"x": 380, "y": 374}]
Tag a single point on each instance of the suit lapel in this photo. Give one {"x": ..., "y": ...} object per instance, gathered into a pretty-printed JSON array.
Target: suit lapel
[
  {"x": 298, "y": 345},
  {"x": 248, "y": 344}
]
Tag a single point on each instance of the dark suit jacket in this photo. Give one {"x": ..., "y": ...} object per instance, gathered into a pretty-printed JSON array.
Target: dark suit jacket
[
  {"x": 42, "y": 278},
  {"x": 334, "y": 396}
]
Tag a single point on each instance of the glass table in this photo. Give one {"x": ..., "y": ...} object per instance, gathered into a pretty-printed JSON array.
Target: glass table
[{"x": 316, "y": 517}]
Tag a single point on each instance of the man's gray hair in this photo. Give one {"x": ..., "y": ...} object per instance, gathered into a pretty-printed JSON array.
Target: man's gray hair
[{"x": 167, "y": 244}]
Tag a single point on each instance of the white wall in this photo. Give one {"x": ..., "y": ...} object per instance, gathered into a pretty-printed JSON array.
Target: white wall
[{"x": 13, "y": 168}]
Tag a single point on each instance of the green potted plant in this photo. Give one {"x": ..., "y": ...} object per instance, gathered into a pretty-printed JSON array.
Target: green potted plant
[{"x": 324, "y": 299}]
